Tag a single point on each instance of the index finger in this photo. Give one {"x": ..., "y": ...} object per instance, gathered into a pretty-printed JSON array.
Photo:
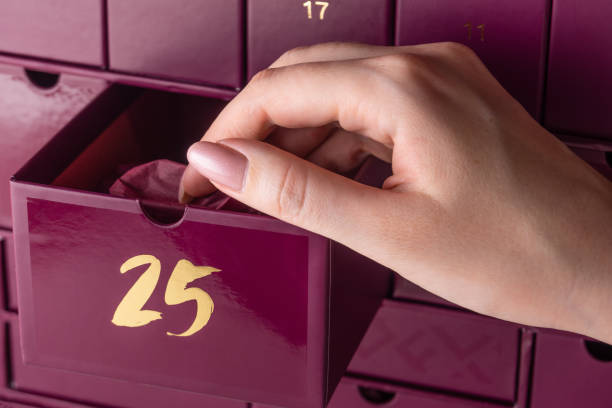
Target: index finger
[{"x": 299, "y": 96}]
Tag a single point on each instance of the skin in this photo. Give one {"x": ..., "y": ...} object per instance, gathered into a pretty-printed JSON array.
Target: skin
[{"x": 485, "y": 207}]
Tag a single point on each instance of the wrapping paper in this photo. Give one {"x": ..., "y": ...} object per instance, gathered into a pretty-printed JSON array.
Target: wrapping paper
[{"x": 159, "y": 181}]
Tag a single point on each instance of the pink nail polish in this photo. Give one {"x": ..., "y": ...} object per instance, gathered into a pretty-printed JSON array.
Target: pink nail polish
[{"x": 219, "y": 163}]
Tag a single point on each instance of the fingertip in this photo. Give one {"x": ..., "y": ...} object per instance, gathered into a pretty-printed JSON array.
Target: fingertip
[
  {"x": 193, "y": 185},
  {"x": 183, "y": 197}
]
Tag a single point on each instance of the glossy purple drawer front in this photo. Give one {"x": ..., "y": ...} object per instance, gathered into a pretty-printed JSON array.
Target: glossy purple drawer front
[
  {"x": 186, "y": 40},
  {"x": 444, "y": 349},
  {"x": 277, "y": 26},
  {"x": 96, "y": 390},
  {"x": 567, "y": 375},
  {"x": 352, "y": 393},
  {"x": 30, "y": 117},
  {"x": 404, "y": 289},
  {"x": 260, "y": 320},
  {"x": 579, "y": 90},
  {"x": 67, "y": 30},
  {"x": 509, "y": 36},
  {"x": 9, "y": 275}
]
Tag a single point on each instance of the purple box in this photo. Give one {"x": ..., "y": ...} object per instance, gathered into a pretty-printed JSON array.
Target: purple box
[
  {"x": 9, "y": 276},
  {"x": 277, "y": 26},
  {"x": 579, "y": 89},
  {"x": 353, "y": 393},
  {"x": 443, "y": 349},
  {"x": 186, "y": 40},
  {"x": 92, "y": 390},
  {"x": 33, "y": 107},
  {"x": 570, "y": 371},
  {"x": 509, "y": 36},
  {"x": 404, "y": 289},
  {"x": 273, "y": 314},
  {"x": 67, "y": 30}
]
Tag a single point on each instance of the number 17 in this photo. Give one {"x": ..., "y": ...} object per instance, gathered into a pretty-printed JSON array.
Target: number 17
[{"x": 323, "y": 4}]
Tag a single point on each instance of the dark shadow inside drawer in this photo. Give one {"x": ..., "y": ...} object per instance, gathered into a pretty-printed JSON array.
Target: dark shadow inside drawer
[{"x": 122, "y": 129}]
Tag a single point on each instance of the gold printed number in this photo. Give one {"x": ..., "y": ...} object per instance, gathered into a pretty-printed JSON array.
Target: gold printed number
[
  {"x": 129, "y": 313},
  {"x": 469, "y": 28},
  {"x": 480, "y": 27},
  {"x": 177, "y": 292},
  {"x": 323, "y": 4}
]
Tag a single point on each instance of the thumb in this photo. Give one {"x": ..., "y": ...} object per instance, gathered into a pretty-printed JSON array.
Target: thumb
[{"x": 294, "y": 190}]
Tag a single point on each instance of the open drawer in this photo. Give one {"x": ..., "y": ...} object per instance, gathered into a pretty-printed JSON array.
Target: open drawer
[{"x": 238, "y": 305}]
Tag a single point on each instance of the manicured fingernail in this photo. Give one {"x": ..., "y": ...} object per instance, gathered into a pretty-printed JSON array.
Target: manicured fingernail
[
  {"x": 183, "y": 197},
  {"x": 219, "y": 163}
]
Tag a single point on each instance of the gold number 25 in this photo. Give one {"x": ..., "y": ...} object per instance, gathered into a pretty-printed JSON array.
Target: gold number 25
[{"x": 130, "y": 311}]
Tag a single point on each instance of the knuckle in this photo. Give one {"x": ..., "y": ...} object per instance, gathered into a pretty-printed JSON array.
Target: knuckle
[
  {"x": 293, "y": 55},
  {"x": 457, "y": 50},
  {"x": 292, "y": 192},
  {"x": 262, "y": 76},
  {"x": 306, "y": 53},
  {"x": 404, "y": 65}
]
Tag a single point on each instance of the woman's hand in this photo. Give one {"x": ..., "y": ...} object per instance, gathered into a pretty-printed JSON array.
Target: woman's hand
[{"x": 484, "y": 208}]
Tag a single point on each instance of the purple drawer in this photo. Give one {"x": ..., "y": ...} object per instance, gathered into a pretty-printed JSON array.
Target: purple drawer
[
  {"x": 94, "y": 390},
  {"x": 353, "y": 393},
  {"x": 67, "y": 30},
  {"x": 509, "y": 36},
  {"x": 9, "y": 276},
  {"x": 277, "y": 26},
  {"x": 443, "y": 349},
  {"x": 406, "y": 290},
  {"x": 579, "y": 89},
  {"x": 186, "y": 40},
  {"x": 33, "y": 107},
  {"x": 8, "y": 404},
  {"x": 570, "y": 371},
  {"x": 264, "y": 297},
  {"x": 11, "y": 398},
  {"x": 595, "y": 152}
]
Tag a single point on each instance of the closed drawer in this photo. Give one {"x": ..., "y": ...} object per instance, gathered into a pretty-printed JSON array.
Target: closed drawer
[
  {"x": 255, "y": 295},
  {"x": 579, "y": 89},
  {"x": 277, "y": 26},
  {"x": 185, "y": 40},
  {"x": 406, "y": 290},
  {"x": 353, "y": 393},
  {"x": 34, "y": 106},
  {"x": 508, "y": 35},
  {"x": 570, "y": 371},
  {"x": 442, "y": 349},
  {"x": 67, "y": 30}
]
